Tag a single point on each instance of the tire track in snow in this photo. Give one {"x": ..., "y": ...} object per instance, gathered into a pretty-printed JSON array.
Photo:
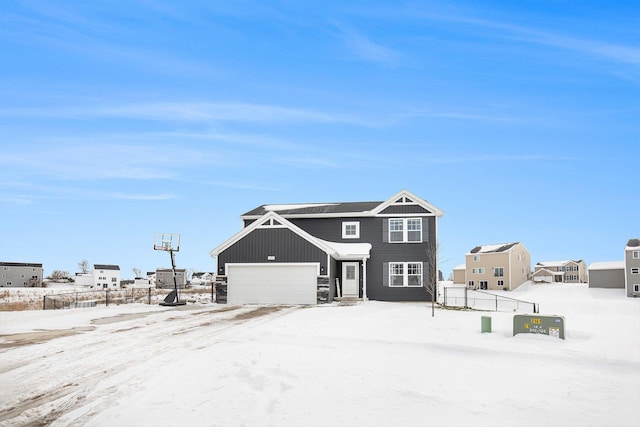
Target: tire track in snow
[{"x": 61, "y": 376}]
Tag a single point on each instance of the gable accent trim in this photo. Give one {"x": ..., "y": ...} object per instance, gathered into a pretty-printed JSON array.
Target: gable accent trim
[{"x": 405, "y": 195}]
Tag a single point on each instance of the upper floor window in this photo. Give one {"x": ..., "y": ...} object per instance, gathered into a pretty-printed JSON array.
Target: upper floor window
[
  {"x": 476, "y": 258},
  {"x": 498, "y": 271},
  {"x": 405, "y": 230},
  {"x": 635, "y": 271},
  {"x": 636, "y": 254},
  {"x": 351, "y": 230}
]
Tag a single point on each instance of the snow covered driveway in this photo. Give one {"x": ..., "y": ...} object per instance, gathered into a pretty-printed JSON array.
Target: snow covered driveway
[
  {"x": 372, "y": 364},
  {"x": 109, "y": 352}
]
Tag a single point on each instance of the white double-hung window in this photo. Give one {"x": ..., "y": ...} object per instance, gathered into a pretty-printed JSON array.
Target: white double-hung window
[
  {"x": 405, "y": 274},
  {"x": 402, "y": 230}
]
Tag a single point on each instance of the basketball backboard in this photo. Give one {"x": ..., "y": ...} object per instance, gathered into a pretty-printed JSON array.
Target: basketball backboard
[{"x": 167, "y": 242}]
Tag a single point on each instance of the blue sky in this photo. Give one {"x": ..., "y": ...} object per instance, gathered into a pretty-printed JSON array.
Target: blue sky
[{"x": 118, "y": 120}]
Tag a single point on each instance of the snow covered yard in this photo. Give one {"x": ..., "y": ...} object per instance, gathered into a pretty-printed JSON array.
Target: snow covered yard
[{"x": 372, "y": 364}]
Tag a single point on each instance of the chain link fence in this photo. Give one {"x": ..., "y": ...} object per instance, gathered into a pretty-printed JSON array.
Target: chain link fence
[{"x": 461, "y": 297}]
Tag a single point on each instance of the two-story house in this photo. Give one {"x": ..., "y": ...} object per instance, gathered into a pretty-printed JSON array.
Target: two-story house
[
  {"x": 632, "y": 267},
  {"x": 106, "y": 276},
  {"x": 20, "y": 274},
  {"x": 164, "y": 278},
  {"x": 623, "y": 274},
  {"x": 567, "y": 271},
  {"x": 311, "y": 253},
  {"x": 504, "y": 266}
]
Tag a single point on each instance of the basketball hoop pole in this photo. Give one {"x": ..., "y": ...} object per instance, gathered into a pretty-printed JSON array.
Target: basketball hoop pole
[{"x": 175, "y": 281}]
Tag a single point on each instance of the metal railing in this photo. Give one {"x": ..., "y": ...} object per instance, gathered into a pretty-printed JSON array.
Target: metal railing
[{"x": 461, "y": 297}]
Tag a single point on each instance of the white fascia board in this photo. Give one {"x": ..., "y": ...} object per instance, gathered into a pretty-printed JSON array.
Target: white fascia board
[
  {"x": 323, "y": 215},
  {"x": 417, "y": 200}
]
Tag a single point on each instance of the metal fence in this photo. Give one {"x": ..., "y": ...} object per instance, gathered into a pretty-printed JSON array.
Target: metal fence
[
  {"x": 461, "y": 297},
  {"x": 81, "y": 299}
]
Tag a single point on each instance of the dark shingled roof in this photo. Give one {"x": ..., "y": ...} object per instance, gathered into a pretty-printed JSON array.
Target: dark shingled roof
[
  {"x": 329, "y": 208},
  {"x": 500, "y": 249},
  {"x": 633, "y": 243},
  {"x": 106, "y": 267}
]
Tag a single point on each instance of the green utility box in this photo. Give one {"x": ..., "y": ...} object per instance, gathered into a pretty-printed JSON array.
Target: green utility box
[
  {"x": 536, "y": 324},
  {"x": 485, "y": 325}
]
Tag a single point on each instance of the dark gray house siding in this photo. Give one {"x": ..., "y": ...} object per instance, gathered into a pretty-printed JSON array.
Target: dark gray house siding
[
  {"x": 281, "y": 243},
  {"x": 372, "y": 230}
]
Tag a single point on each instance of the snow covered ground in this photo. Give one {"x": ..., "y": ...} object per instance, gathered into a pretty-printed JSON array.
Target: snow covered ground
[{"x": 372, "y": 364}]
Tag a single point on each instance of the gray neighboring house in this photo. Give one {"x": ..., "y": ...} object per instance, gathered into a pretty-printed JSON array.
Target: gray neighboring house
[
  {"x": 623, "y": 274},
  {"x": 164, "y": 278},
  {"x": 20, "y": 274},
  {"x": 632, "y": 267},
  {"x": 313, "y": 252}
]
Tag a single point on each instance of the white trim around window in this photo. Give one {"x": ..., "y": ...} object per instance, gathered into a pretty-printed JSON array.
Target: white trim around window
[
  {"x": 636, "y": 254},
  {"x": 405, "y": 274},
  {"x": 405, "y": 230},
  {"x": 351, "y": 230}
]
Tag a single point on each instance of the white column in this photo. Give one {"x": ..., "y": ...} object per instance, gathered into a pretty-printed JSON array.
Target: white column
[{"x": 364, "y": 279}]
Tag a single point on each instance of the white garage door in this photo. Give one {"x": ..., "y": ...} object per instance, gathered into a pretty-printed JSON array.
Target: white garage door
[{"x": 272, "y": 283}]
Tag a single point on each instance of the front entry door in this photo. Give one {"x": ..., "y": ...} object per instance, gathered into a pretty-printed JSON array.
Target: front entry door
[{"x": 350, "y": 279}]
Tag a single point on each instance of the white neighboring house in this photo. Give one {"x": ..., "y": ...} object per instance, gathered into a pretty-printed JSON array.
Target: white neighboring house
[
  {"x": 84, "y": 279},
  {"x": 106, "y": 276},
  {"x": 151, "y": 276},
  {"x": 566, "y": 271},
  {"x": 203, "y": 278}
]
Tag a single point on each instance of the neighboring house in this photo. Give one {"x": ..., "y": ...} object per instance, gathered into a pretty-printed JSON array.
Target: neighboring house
[
  {"x": 20, "y": 274},
  {"x": 623, "y": 274},
  {"x": 202, "y": 278},
  {"x": 459, "y": 274},
  {"x": 106, "y": 276},
  {"x": 632, "y": 267},
  {"x": 164, "y": 278},
  {"x": 608, "y": 274},
  {"x": 503, "y": 266},
  {"x": 568, "y": 271},
  {"x": 84, "y": 279},
  {"x": 311, "y": 253},
  {"x": 151, "y": 276}
]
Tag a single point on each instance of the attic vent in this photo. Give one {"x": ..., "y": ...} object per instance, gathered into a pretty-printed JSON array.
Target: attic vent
[
  {"x": 404, "y": 199},
  {"x": 271, "y": 223}
]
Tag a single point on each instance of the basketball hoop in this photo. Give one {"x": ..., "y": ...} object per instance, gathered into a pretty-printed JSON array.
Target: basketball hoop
[{"x": 170, "y": 243}]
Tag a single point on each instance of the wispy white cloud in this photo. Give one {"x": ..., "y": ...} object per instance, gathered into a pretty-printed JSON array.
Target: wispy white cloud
[
  {"x": 488, "y": 158},
  {"x": 88, "y": 159},
  {"x": 126, "y": 196},
  {"x": 610, "y": 51},
  {"x": 187, "y": 112},
  {"x": 365, "y": 48},
  {"x": 309, "y": 161}
]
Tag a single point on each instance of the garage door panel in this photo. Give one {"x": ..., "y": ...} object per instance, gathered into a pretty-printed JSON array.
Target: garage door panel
[{"x": 272, "y": 284}]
